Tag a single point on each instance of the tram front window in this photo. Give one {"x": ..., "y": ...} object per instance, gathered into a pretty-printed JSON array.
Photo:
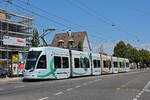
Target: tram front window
[{"x": 32, "y": 59}]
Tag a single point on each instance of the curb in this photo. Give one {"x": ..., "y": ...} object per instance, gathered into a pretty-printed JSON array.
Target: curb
[{"x": 6, "y": 80}]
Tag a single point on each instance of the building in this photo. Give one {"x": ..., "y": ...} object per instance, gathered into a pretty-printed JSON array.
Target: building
[
  {"x": 72, "y": 40},
  {"x": 15, "y": 36}
]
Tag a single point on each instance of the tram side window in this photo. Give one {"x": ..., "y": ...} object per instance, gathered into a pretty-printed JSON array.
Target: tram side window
[
  {"x": 76, "y": 63},
  {"x": 94, "y": 62},
  {"x": 98, "y": 62},
  {"x": 115, "y": 64},
  {"x": 109, "y": 64},
  {"x": 86, "y": 63},
  {"x": 105, "y": 65},
  {"x": 57, "y": 62},
  {"x": 127, "y": 64},
  {"x": 65, "y": 62},
  {"x": 120, "y": 64},
  {"x": 42, "y": 62}
]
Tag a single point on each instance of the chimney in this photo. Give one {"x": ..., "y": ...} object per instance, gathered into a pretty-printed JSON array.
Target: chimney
[{"x": 69, "y": 32}]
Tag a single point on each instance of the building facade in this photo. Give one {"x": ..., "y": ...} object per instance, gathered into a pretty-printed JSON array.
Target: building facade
[
  {"x": 15, "y": 37},
  {"x": 72, "y": 40}
]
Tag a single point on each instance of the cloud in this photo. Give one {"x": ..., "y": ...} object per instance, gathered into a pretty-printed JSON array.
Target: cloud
[{"x": 145, "y": 46}]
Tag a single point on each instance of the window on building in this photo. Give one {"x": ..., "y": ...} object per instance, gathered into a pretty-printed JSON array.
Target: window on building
[
  {"x": 115, "y": 64},
  {"x": 76, "y": 63},
  {"x": 60, "y": 43},
  {"x": 57, "y": 62},
  {"x": 42, "y": 62},
  {"x": 65, "y": 62}
]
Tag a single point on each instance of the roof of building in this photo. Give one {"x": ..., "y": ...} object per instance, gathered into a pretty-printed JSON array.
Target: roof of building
[{"x": 65, "y": 37}]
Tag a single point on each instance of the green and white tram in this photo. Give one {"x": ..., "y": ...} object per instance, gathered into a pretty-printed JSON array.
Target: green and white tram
[
  {"x": 122, "y": 67},
  {"x": 115, "y": 64},
  {"x": 127, "y": 64},
  {"x": 47, "y": 63},
  {"x": 81, "y": 63},
  {"x": 96, "y": 64}
]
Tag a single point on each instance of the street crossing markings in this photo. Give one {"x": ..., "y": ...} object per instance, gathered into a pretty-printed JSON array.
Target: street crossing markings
[
  {"x": 145, "y": 89},
  {"x": 43, "y": 98}
]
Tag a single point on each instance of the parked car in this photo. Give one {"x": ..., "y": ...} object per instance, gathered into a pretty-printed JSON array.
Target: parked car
[{"x": 3, "y": 72}]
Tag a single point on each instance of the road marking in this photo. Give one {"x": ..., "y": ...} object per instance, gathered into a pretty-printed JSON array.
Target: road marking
[
  {"x": 137, "y": 96},
  {"x": 69, "y": 89},
  {"x": 77, "y": 86},
  {"x": 19, "y": 86},
  {"x": 84, "y": 83},
  {"x": 117, "y": 88},
  {"x": 43, "y": 98},
  {"x": 58, "y": 93},
  {"x": 130, "y": 81},
  {"x": 134, "y": 98},
  {"x": 127, "y": 89},
  {"x": 90, "y": 82},
  {"x": 1, "y": 89},
  {"x": 147, "y": 87}
]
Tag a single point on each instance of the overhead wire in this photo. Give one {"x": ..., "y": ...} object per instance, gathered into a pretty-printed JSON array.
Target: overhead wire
[
  {"x": 45, "y": 17},
  {"x": 92, "y": 12},
  {"x": 54, "y": 15}
]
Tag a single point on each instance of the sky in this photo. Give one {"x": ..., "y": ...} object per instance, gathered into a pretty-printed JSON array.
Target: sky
[{"x": 106, "y": 21}]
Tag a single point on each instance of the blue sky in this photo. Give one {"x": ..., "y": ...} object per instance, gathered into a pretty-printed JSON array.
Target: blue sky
[{"x": 131, "y": 19}]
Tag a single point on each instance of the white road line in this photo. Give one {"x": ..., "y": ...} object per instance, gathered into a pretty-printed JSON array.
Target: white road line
[
  {"x": 43, "y": 98},
  {"x": 77, "y": 86},
  {"x": 147, "y": 86},
  {"x": 137, "y": 96},
  {"x": 1, "y": 89},
  {"x": 90, "y": 82},
  {"x": 19, "y": 86},
  {"x": 140, "y": 94},
  {"x": 58, "y": 93},
  {"x": 134, "y": 98},
  {"x": 69, "y": 89}
]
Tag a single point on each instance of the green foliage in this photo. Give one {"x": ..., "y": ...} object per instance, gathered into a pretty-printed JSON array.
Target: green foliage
[
  {"x": 145, "y": 55},
  {"x": 134, "y": 55},
  {"x": 35, "y": 38},
  {"x": 120, "y": 49},
  {"x": 80, "y": 46}
]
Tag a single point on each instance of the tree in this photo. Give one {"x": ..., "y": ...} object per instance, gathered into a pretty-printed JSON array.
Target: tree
[
  {"x": 80, "y": 46},
  {"x": 35, "y": 38},
  {"x": 120, "y": 50},
  {"x": 145, "y": 55}
]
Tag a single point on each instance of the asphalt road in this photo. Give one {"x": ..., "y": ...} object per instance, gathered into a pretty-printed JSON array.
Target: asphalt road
[{"x": 123, "y": 86}]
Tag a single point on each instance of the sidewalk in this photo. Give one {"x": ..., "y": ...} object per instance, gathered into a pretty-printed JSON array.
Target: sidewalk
[{"x": 7, "y": 79}]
